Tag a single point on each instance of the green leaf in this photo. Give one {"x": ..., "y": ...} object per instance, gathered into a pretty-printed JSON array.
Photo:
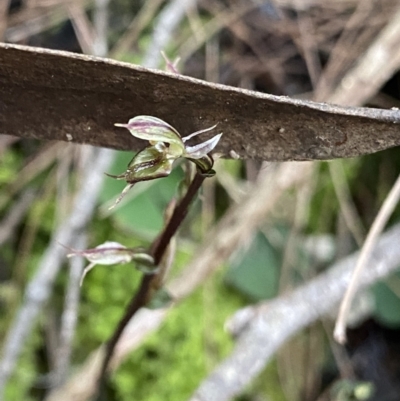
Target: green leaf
[
  {"x": 387, "y": 303},
  {"x": 109, "y": 253},
  {"x": 255, "y": 271}
]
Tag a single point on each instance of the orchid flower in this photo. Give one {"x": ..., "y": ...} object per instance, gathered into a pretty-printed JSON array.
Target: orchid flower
[
  {"x": 166, "y": 146},
  {"x": 111, "y": 253}
]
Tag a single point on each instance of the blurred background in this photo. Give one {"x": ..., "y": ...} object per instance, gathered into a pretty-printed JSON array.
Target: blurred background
[{"x": 309, "y": 49}]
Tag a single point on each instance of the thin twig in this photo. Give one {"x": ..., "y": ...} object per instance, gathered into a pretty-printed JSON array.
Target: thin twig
[
  {"x": 100, "y": 23},
  {"x": 33, "y": 20},
  {"x": 40, "y": 287},
  {"x": 308, "y": 47},
  {"x": 382, "y": 52},
  {"x": 230, "y": 233},
  {"x": 340, "y": 56},
  {"x": 28, "y": 234},
  {"x": 44, "y": 158},
  {"x": 3, "y": 17},
  {"x": 167, "y": 21},
  {"x": 221, "y": 20},
  {"x": 70, "y": 314},
  {"x": 82, "y": 27},
  {"x": 304, "y": 193},
  {"x": 377, "y": 227},
  {"x": 6, "y": 141},
  {"x": 347, "y": 207},
  {"x": 130, "y": 36},
  {"x": 15, "y": 214},
  {"x": 263, "y": 328}
]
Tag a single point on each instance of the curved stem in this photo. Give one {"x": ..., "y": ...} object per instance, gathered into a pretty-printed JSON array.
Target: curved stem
[{"x": 146, "y": 288}]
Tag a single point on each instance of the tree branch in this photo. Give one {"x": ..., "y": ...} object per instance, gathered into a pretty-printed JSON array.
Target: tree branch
[
  {"x": 262, "y": 329},
  {"x": 55, "y": 95}
]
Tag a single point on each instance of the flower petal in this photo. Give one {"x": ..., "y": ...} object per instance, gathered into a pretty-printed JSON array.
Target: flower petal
[
  {"x": 198, "y": 133},
  {"x": 121, "y": 195},
  {"x": 150, "y": 163},
  {"x": 153, "y": 129},
  {"x": 201, "y": 150},
  {"x": 109, "y": 253}
]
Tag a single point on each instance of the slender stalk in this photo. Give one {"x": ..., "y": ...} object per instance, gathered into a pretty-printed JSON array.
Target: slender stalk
[
  {"x": 146, "y": 288},
  {"x": 179, "y": 214},
  {"x": 370, "y": 242}
]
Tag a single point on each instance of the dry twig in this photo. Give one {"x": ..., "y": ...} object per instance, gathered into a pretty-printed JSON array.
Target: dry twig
[
  {"x": 165, "y": 25},
  {"x": 83, "y": 28},
  {"x": 132, "y": 33},
  {"x": 269, "y": 329},
  {"x": 229, "y": 234},
  {"x": 261, "y": 330},
  {"x": 365, "y": 79},
  {"x": 14, "y": 215},
  {"x": 347, "y": 207},
  {"x": 366, "y": 251},
  {"x": 40, "y": 287},
  {"x": 3, "y": 16},
  {"x": 69, "y": 315}
]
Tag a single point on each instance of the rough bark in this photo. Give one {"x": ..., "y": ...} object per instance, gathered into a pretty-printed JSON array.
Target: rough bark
[{"x": 54, "y": 95}]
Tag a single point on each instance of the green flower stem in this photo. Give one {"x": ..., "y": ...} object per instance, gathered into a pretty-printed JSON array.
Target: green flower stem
[{"x": 150, "y": 282}]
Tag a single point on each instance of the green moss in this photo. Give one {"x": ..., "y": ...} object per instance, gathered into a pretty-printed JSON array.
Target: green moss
[
  {"x": 173, "y": 361},
  {"x": 21, "y": 381},
  {"x": 105, "y": 292},
  {"x": 10, "y": 164}
]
